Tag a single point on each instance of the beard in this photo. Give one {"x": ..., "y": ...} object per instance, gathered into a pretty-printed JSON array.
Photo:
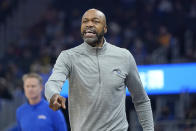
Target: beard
[{"x": 92, "y": 40}]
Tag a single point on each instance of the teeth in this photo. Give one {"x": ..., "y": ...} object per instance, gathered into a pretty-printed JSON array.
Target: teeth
[{"x": 89, "y": 31}]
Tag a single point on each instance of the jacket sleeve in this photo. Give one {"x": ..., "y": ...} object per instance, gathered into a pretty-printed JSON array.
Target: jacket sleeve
[
  {"x": 60, "y": 73},
  {"x": 59, "y": 121},
  {"x": 139, "y": 96}
]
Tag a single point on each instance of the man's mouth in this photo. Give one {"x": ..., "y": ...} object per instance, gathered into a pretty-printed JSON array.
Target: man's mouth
[{"x": 89, "y": 33}]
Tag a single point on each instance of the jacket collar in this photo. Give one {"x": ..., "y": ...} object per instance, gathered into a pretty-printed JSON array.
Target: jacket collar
[{"x": 96, "y": 50}]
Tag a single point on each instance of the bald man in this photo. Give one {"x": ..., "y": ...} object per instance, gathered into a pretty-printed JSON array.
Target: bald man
[{"x": 98, "y": 74}]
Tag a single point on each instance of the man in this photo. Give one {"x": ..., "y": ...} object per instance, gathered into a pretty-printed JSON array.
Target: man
[
  {"x": 98, "y": 74},
  {"x": 35, "y": 115}
]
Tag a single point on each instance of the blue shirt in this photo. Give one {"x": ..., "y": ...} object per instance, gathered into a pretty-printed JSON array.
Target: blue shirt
[{"x": 40, "y": 117}]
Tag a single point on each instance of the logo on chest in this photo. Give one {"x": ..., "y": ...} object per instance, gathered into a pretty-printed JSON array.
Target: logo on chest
[
  {"x": 43, "y": 117},
  {"x": 119, "y": 73}
]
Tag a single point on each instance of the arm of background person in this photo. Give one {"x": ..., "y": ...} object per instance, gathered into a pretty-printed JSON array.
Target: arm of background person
[
  {"x": 139, "y": 96},
  {"x": 18, "y": 121},
  {"x": 60, "y": 73},
  {"x": 59, "y": 121}
]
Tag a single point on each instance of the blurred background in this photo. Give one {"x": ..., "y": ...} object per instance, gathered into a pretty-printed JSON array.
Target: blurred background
[{"x": 161, "y": 35}]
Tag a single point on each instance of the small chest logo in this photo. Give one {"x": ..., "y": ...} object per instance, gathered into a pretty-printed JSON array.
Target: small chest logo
[
  {"x": 42, "y": 117},
  {"x": 118, "y": 71}
]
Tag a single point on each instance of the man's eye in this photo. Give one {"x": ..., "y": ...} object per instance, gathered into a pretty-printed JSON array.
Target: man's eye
[{"x": 96, "y": 21}]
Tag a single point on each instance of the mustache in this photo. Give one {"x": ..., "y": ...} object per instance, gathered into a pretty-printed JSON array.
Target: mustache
[{"x": 89, "y": 29}]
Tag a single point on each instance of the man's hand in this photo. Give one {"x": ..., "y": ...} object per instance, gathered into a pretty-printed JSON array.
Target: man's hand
[{"x": 57, "y": 102}]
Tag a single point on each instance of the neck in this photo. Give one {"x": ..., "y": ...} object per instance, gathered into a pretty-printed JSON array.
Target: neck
[
  {"x": 34, "y": 101},
  {"x": 100, "y": 43}
]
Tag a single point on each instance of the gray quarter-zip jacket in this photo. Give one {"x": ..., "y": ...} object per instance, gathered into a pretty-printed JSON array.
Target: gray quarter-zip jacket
[{"x": 97, "y": 88}]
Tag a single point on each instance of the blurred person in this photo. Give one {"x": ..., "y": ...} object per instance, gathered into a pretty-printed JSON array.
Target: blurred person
[
  {"x": 166, "y": 114},
  {"x": 139, "y": 51},
  {"x": 2, "y": 70},
  {"x": 165, "y": 40},
  {"x": 5, "y": 92},
  {"x": 98, "y": 73},
  {"x": 165, "y": 6},
  {"x": 35, "y": 115},
  {"x": 164, "y": 37}
]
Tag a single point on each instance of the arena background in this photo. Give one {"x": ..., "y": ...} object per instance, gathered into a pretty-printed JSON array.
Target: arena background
[{"x": 161, "y": 34}]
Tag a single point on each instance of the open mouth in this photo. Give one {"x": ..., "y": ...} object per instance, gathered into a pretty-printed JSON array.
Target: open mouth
[{"x": 89, "y": 33}]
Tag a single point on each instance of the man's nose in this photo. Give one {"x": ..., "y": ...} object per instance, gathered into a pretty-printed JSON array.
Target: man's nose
[
  {"x": 30, "y": 88},
  {"x": 90, "y": 24}
]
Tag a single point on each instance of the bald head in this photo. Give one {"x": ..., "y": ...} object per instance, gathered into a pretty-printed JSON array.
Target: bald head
[
  {"x": 93, "y": 27},
  {"x": 97, "y": 13}
]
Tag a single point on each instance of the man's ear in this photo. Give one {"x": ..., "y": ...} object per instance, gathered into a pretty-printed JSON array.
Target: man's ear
[
  {"x": 42, "y": 87},
  {"x": 105, "y": 29}
]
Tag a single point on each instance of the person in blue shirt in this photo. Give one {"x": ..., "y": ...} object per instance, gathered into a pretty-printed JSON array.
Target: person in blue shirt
[{"x": 35, "y": 114}]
